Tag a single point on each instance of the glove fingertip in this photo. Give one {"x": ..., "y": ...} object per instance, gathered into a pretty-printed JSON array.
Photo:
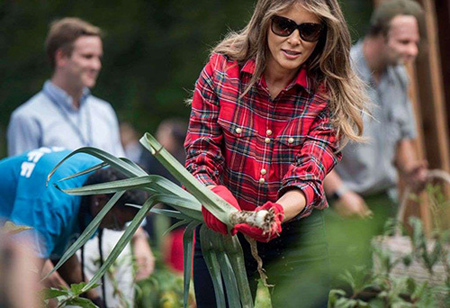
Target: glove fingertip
[{"x": 233, "y": 231}]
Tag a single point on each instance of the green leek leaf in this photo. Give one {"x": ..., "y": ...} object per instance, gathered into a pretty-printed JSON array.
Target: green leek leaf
[
  {"x": 89, "y": 170},
  {"x": 188, "y": 243},
  {"x": 216, "y": 205},
  {"x": 210, "y": 257},
  {"x": 236, "y": 257},
  {"x": 176, "y": 225},
  {"x": 169, "y": 213},
  {"x": 229, "y": 279}
]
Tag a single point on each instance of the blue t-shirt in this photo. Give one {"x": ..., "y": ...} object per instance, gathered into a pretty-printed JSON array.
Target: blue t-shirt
[{"x": 25, "y": 199}]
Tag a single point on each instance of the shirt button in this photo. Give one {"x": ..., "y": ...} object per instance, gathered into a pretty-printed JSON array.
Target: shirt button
[
  {"x": 238, "y": 130},
  {"x": 267, "y": 140},
  {"x": 263, "y": 171},
  {"x": 291, "y": 140},
  {"x": 261, "y": 181},
  {"x": 269, "y": 132}
]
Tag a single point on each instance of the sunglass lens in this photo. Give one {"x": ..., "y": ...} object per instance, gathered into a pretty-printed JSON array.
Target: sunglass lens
[
  {"x": 282, "y": 26},
  {"x": 310, "y": 32}
]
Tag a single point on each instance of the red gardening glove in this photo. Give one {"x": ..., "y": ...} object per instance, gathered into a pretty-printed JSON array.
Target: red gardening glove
[
  {"x": 211, "y": 221},
  {"x": 257, "y": 233}
]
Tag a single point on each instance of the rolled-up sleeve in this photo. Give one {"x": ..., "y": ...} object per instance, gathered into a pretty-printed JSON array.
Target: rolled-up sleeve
[{"x": 316, "y": 159}]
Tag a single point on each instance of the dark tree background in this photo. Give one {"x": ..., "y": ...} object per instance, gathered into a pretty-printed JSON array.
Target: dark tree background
[{"x": 153, "y": 50}]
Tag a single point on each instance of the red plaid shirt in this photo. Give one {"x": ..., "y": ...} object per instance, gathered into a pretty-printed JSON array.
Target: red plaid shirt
[{"x": 258, "y": 146}]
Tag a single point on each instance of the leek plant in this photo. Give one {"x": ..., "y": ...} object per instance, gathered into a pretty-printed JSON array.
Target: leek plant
[{"x": 223, "y": 254}]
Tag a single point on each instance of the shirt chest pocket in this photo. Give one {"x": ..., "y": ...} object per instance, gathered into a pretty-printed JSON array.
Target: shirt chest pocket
[
  {"x": 234, "y": 130},
  {"x": 237, "y": 137},
  {"x": 240, "y": 148},
  {"x": 289, "y": 142}
]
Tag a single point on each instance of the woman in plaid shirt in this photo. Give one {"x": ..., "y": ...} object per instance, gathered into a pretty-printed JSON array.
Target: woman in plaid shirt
[{"x": 270, "y": 111}]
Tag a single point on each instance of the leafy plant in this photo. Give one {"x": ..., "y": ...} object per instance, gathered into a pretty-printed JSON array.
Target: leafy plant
[
  {"x": 164, "y": 288},
  {"x": 111, "y": 273},
  {"x": 385, "y": 291},
  {"x": 380, "y": 287},
  {"x": 71, "y": 296}
]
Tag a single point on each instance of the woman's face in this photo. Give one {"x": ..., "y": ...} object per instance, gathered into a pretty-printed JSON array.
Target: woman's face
[{"x": 287, "y": 54}]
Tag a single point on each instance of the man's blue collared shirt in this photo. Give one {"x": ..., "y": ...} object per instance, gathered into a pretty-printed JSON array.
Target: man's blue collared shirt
[{"x": 50, "y": 119}]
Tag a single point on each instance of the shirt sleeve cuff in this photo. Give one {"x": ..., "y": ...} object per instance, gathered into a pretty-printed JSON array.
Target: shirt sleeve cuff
[
  {"x": 310, "y": 196},
  {"x": 205, "y": 180}
]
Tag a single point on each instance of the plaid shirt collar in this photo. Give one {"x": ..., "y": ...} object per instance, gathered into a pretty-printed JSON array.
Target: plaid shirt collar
[{"x": 301, "y": 79}]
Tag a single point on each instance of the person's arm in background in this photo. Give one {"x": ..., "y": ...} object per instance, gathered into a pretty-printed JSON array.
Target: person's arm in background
[
  {"x": 54, "y": 280},
  {"x": 412, "y": 170},
  {"x": 347, "y": 202},
  {"x": 19, "y": 274},
  {"x": 143, "y": 254},
  {"x": 23, "y": 134}
]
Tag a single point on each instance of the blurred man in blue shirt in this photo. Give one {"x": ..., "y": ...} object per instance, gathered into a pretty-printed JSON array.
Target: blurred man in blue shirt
[{"x": 65, "y": 113}]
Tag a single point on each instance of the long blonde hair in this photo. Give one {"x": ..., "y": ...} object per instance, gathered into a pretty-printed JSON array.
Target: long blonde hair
[{"x": 329, "y": 63}]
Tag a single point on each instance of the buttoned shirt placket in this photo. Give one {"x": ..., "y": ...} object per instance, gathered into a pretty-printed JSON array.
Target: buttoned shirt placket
[{"x": 268, "y": 143}]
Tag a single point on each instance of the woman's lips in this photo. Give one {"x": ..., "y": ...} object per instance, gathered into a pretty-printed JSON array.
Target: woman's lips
[{"x": 291, "y": 54}]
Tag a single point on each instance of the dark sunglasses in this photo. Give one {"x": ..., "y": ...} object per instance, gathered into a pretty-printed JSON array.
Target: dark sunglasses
[{"x": 283, "y": 26}]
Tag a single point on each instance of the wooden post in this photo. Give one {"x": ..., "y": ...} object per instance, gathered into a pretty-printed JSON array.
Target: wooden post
[
  {"x": 431, "y": 90},
  {"x": 442, "y": 8},
  {"x": 432, "y": 97}
]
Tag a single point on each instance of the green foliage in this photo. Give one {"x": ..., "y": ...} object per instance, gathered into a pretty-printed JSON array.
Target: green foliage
[
  {"x": 384, "y": 289},
  {"x": 385, "y": 292},
  {"x": 358, "y": 280},
  {"x": 163, "y": 288},
  {"x": 71, "y": 296}
]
